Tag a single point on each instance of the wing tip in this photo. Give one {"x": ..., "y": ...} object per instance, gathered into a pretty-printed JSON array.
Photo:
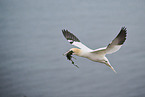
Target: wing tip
[
  {"x": 69, "y": 36},
  {"x": 122, "y": 35},
  {"x": 64, "y": 31},
  {"x": 124, "y": 28}
]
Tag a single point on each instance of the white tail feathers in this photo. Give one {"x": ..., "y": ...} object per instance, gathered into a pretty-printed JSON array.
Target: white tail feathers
[
  {"x": 113, "y": 69},
  {"x": 108, "y": 64}
]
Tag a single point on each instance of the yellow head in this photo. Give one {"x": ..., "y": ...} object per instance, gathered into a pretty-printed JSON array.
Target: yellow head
[{"x": 76, "y": 51}]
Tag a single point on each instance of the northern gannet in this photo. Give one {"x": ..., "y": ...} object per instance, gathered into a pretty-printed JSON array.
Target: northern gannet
[{"x": 97, "y": 55}]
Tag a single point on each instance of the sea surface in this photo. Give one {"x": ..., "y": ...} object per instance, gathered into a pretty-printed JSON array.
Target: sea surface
[{"x": 32, "y": 46}]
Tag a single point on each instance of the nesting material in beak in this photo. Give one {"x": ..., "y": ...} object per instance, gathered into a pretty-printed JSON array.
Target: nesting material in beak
[{"x": 69, "y": 57}]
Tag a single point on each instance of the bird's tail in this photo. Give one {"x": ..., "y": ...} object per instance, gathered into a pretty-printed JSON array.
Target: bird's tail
[
  {"x": 108, "y": 64},
  {"x": 113, "y": 69}
]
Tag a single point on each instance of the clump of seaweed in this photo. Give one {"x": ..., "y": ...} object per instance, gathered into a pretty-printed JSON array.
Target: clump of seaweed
[{"x": 69, "y": 57}]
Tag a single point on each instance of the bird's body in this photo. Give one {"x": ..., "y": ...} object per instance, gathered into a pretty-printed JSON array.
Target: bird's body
[
  {"x": 92, "y": 56},
  {"x": 97, "y": 55}
]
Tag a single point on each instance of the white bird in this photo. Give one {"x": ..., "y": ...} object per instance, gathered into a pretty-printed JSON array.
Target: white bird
[{"x": 97, "y": 55}]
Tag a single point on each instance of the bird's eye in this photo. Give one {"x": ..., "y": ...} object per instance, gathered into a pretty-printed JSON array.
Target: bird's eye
[{"x": 106, "y": 61}]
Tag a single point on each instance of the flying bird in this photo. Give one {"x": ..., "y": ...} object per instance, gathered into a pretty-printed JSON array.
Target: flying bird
[{"x": 97, "y": 55}]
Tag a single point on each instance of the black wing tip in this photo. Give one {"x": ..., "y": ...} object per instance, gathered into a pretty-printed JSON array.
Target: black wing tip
[
  {"x": 124, "y": 29},
  {"x": 64, "y": 31},
  {"x": 122, "y": 35},
  {"x": 70, "y": 36}
]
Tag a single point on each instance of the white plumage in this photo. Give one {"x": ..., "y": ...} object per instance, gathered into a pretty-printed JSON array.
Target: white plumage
[{"x": 97, "y": 55}]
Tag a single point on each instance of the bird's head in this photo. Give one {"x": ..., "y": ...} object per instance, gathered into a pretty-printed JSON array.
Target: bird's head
[
  {"x": 72, "y": 51},
  {"x": 75, "y": 51}
]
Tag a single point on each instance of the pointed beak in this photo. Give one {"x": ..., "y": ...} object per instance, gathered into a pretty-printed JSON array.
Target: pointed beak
[
  {"x": 66, "y": 53},
  {"x": 69, "y": 54}
]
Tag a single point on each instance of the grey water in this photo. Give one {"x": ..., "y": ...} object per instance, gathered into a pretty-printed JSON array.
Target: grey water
[{"x": 32, "y": 44}]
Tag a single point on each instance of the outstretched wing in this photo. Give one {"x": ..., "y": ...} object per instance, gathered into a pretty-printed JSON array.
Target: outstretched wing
[
  {"x": 72, "y": 39},
  {"x": 115, "y": 45}
]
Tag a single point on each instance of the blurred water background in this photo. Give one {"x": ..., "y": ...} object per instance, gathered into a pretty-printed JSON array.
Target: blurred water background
[{"x": 32, "y": 44}]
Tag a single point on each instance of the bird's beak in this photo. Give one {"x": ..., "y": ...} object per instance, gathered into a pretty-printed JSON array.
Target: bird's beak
[
  {"x": 69, "y": 56},
  {"x": 66, "y": 53}
]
